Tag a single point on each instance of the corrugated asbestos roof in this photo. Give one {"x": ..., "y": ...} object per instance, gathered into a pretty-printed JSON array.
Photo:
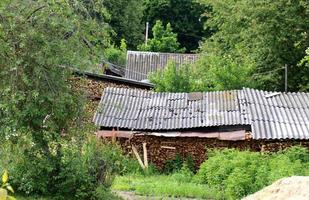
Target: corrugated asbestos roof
[
  {"x": 276, "y": 115},
  {"x": 147, "y": 110},
  {"x": 272, "y": 115},
  {"x": 140, "y": 64}
]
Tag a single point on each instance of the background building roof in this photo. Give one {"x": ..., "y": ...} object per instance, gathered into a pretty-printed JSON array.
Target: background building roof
[{"x": 140, "y": 64}]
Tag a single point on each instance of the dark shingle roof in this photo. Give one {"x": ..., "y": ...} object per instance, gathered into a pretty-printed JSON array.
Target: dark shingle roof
[
  {"x": 147, "y": 110},
  {"x": 140, "y": 64}
]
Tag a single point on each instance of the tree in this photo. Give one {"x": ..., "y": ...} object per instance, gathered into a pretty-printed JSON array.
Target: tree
[
  {"x": 209, "y": 73},
  {"x": 185, "y": 16},
  {"x": 172, "y": 79},
  {"x": 271, "y": 33},
  {"x": 39, "y": 39},
  {"x": 213, "y": 73},
  {"x": 126, "y": 21},
  {"x": 304, "y": 65},
  {"x": 164, "y": 40}
]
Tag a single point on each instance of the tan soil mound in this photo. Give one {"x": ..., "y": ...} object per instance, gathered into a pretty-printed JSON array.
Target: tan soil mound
[{"x": 291, "y": 188}]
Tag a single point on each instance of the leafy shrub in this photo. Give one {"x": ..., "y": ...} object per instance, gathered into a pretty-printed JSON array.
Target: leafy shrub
[
  {"x": 117, "y": 55},
  {"x": 184, "y": 175},
  {"x": 239, "y": 173},
  {"x": 172, "y": 78},
  {"x": 88, "y": 171},
  {"x": 176, "y": 164},
  {"x": 20, "y": 158},
  {"x": 6, "y": 187},
  {"x": 80, "y": 173},
  {"x": 297, "y": 153},
  {"x": 173, "y": 165}
]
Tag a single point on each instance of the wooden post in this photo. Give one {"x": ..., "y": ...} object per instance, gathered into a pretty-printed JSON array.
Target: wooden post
[
  {"x": 138, "y": 157},
  {"x": 146, "y": 37},
  {"x": 145, "y": 155},
  {"x": 113, "y": 136},
  {"x": 286, "y": 78}
]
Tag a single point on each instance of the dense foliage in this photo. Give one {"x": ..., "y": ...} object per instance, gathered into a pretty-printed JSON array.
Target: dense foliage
[
  {"x": 126, "y": 21},
  {"x": 239, "y": 173},
  {"x": 250, "y": 46},
  {"x": 164, "y": 40},
  {"x": 116, "y": 55},
  {"x": 271, "y": 33},
  {"x": 185, "y": 16},
  {"x": 172, "y": 79},
  {"x": 304, "y": 64},
  {"x": 41, "y": 116},
  {"x": 209, "y": 73}
]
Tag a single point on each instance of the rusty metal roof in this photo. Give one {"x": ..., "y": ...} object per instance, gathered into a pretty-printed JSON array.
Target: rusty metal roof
[
  {"x": 140, "y": 64},
  {"x": 276, "y": 115},
  {"x": 148, "y": 110}
]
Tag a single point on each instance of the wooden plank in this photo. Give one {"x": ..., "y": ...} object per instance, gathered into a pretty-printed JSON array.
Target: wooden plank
[
  {"x": 145, "y": 155},
  {"x": 167, "y": 147},
  {"x": 138, "y": 157}
]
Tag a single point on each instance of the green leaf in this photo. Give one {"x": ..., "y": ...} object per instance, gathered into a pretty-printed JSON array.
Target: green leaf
[
  {"x": 11, "y": 198},
  {"x": 9, "y": 188},
  {"x": 3, "y": 194},
  {"x": 5, "y": 177}
]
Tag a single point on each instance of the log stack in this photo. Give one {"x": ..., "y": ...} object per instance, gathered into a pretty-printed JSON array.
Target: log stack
[{"x": 161, "y": 149}]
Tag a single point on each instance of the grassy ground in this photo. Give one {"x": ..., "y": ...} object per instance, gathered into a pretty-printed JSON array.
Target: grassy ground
[{"x": 163, "y": 185}]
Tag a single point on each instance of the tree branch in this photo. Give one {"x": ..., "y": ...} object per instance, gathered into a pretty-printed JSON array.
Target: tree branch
[{"x": 36, "y": 10}]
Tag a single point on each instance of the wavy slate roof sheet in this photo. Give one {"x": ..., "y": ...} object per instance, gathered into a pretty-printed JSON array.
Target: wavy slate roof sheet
[
  {"x": 140, "y": 64},
  {"x": 276, "y": 115},
  {"x": 147, "y": 110},
  {"x": 272, "y": 115}
]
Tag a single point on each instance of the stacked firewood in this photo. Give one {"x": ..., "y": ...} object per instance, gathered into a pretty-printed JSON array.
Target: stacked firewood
[
  {"x": 92, "y": 90},
  {"x": 161, "y": 149}
]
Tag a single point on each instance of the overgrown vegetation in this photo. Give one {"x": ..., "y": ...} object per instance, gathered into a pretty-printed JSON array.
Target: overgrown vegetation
[
  {"x": 116, "y": 55},
  {"x": 175, "y": 185},
  {"x": 44, "y": 141},
  {"x": 209, "y": 73},
  {"x": 226, "y": 174}
]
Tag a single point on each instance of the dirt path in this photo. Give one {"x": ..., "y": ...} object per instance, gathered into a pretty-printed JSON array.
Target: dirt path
[{"x": 132, "y": 196}]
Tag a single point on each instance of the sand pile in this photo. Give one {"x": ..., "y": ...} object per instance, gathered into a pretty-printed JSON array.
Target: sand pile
[{"x": 291, "y": 188}]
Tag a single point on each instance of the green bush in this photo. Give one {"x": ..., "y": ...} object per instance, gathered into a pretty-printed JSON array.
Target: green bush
[
  {"x": 29, "y": 169},
  {"x": 184, "y": 175},
  {"x": 81, "y": 172},
  {"x": 117, "y": 55},
  {"x": 88, "y": 171},
  {"x": 239, "y": 173},
  {"x": 176, "y": 164}
]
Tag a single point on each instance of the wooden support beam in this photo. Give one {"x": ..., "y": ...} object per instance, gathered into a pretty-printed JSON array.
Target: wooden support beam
[
  {"x": 113, "y": 136},
  {"x": 138, "y": 157},
  {"x": 145, "y": 155}
]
